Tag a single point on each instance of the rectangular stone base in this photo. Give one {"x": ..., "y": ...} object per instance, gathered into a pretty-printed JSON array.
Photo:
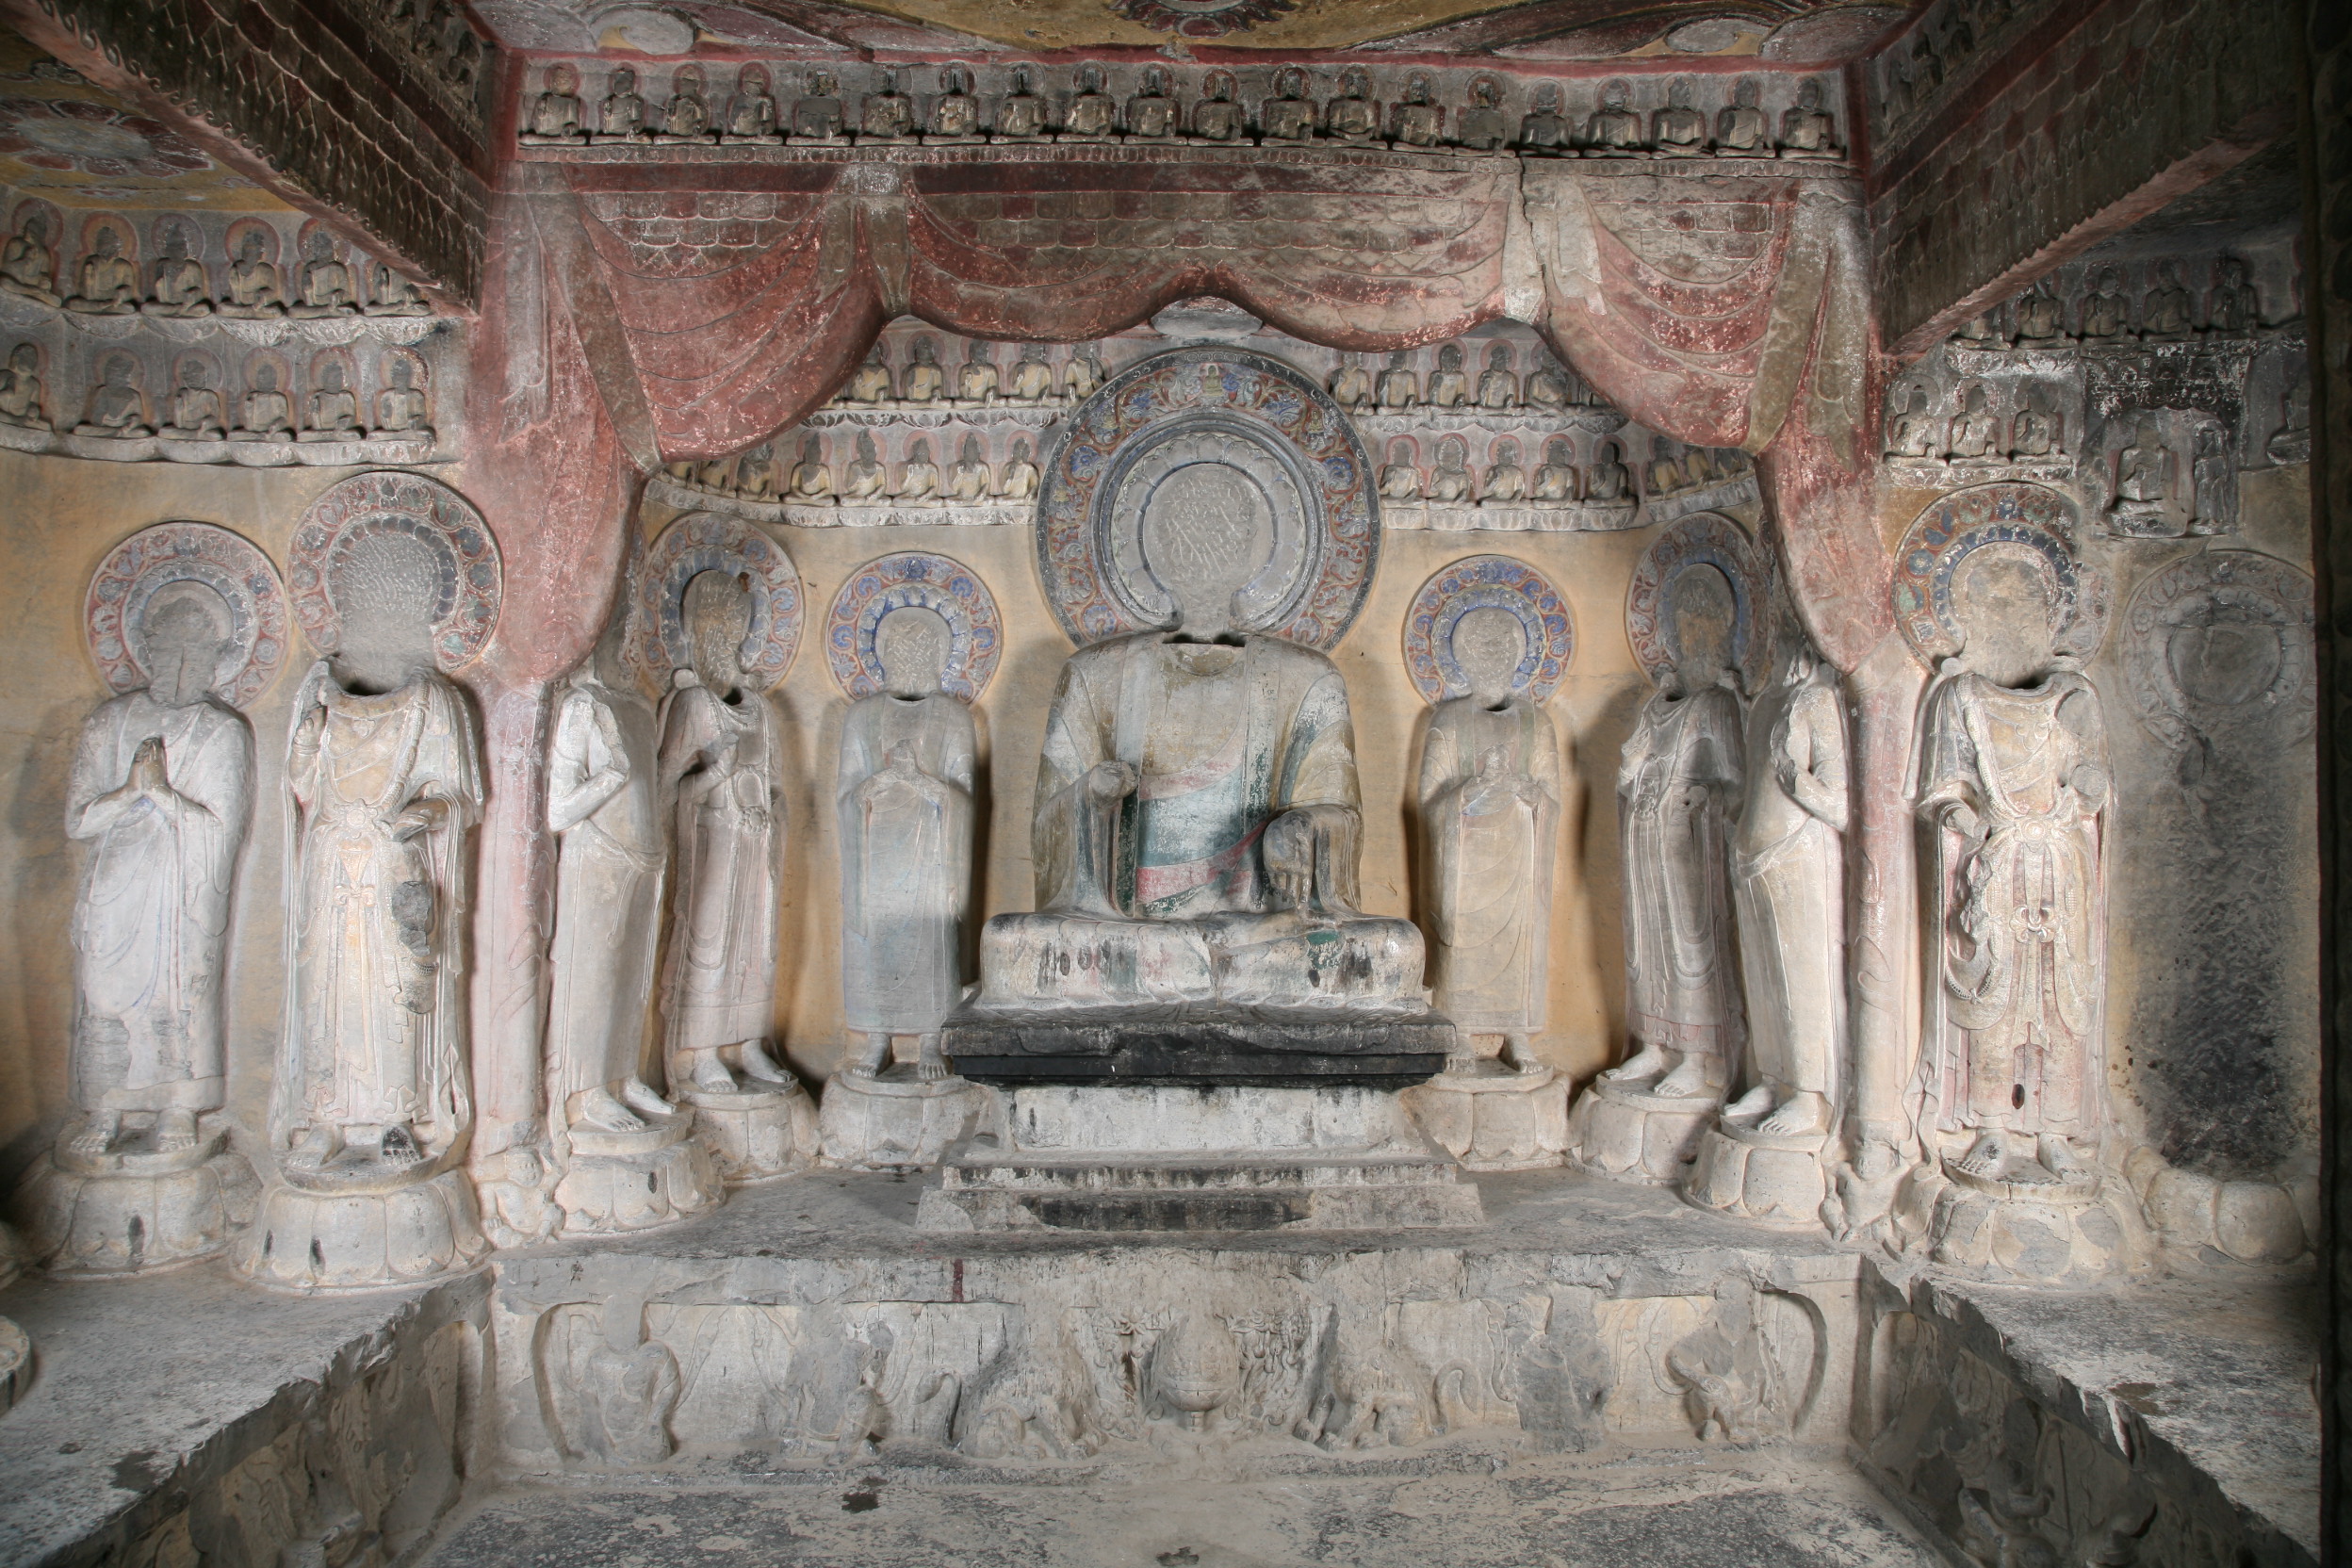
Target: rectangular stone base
[
  {"x": 1202, "y": 1044},
  {"x": 1232, "y": 1158},
  {"x": 1369, "y": 1193}
]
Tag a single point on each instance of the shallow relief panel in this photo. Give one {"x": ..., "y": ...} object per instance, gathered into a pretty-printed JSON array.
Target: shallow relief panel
[
  {"x": 2217, "y": 776},
  {"x": 1042, "y": 1361}
]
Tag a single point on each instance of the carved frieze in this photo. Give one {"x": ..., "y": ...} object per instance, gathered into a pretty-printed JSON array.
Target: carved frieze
[{"x": 1784, "y": 114}]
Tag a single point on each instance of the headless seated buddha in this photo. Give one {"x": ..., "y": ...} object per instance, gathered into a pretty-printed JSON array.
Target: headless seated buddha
[{"x": 1197, "y": 817}]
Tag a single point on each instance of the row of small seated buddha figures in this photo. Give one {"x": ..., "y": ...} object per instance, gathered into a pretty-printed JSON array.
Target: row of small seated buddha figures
[
  {"x": 1615, "y": 127},
  {"x": 2103, "y": 312},
  {"x": 109, "y": 280},
  {"x": 1410, "y": 380},
  {"x": 1503, "y": 479},
  {"x": 337, "y": 407}
]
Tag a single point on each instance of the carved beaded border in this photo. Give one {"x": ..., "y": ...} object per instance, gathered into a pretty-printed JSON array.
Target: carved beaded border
[
  {"x": 1954, "y": 527},
  {"x": 1488, "y": 581},
  {"x": 1701, "y": 539},
  {"x": 153, "y": 559},
  {"x": 1344, "y": 533},
  {"x": 706, "y": 542},
  {"x": 2253, "y": 587},
  {"x": 367, "y": 505},
  {"x": 936, "y": 583}
]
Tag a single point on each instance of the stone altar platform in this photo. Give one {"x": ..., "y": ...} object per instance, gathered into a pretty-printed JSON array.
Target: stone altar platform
[
  {"x": 1195, "y": 1044},
  {"x": 810, "y": 1329}
]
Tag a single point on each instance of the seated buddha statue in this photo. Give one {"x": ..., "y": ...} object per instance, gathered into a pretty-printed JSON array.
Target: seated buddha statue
[{"x": 1197, "y": 819}]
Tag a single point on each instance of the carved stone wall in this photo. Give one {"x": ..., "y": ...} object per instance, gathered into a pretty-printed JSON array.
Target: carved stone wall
[
  {"x": 2080, "y": 122},
  {"x": 2328, "y": 37},
  {"x": 381, "y": 125}
]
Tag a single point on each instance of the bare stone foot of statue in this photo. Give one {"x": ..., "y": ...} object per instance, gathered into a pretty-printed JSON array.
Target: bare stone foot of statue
[
  {"x": 2058, "y": 1157},
  {"x": 874, "y": 1059},
  {"x": 1685, "y": 1082},
  {"x": 317, "y": 1146},
  {"x": 1756, "y": 1101},
  {"x": 1990, "y": 1156},
  {"x": 1648, "y": 1062},
  {"x": 1804, "y": 1113},
  {"x": 1464, "y": 1056},
  {"x": 1519, "y": 1053},
  {"x": 399, "y": 1146},
  {"x": 638, "y": 1097},
  {"x": 97, "y": 1135},
  {"x": 930, "y": 1067},
  {"x": 175, "y": 1131},
  {"x": 598, "y": 1108},
  {"x": 759, "y": 1064},
  {"x": 710, "y": 1075}
]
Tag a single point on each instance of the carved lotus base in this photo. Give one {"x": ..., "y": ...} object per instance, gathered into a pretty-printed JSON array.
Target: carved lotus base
[
  {"x": 16, "y": 1365},
  {"x": 2205, "y": 1222},
  {"x": 1759, "y": 1177},
  {"x": 316, "y": 1240},
  {"x": 1627, "y": 1134},
  {"x": 755, "y": 1136},
  {"x": 638, "y": 1180},
  {"x": 898, "y": 1121},
  {"x": 133, "y": 1212},
  {"x": 2049, "y": 1232},
  {"x": 1495, "y": 1119}
]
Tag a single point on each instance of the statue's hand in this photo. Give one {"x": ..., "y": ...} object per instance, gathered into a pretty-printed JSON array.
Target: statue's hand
[
  {"x": 1962, "y": 819},
  {"x": 421, "y": 817},
  {"x": 147, "y": 770},
  {"x": 1111, "y": 780}
]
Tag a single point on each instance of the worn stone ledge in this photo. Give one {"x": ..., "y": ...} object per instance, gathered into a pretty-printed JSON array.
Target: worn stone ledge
[{"x": 152, "y": 1397}]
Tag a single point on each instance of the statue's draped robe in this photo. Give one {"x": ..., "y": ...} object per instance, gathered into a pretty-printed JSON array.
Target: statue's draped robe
[
  {"x": 1789, "y": 891},
  {"x": 906, "y": 862},
  {"x": 1225, "y": 741},
  {"x": 2013, "y": 987},
  {"x": 1680, "y": 771},
  {"x": 719, "y": 985},
  {"x": 608, "y": 903},
  {"x": 1489, "y": 861},
  {"x": 378, "y": 931},
  {"x": 151, "y": 925}
]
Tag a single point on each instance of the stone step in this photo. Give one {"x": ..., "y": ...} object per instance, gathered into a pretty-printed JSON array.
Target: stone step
[
  {"x": 981, "y": 1190},
  {"x": 1234, "y": 1172}
]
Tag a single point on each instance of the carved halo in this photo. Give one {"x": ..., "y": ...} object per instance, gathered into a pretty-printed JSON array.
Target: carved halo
[
  {"x": 936, "y": 583},
  {"x": 2242, "y": 588},
  {"x": 1488, "y": 581},
  {"x": 114, "y": 613},
  {"x": 706, "y": 542},
  {"x": 1954, "y": 527},
  {"x": 367, "y": 506},
  {"x": 1209, "y": 419},
  {"x": 1706, "y": 539}
]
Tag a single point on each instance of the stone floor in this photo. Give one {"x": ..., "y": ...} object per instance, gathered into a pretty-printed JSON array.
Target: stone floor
[{"x": 1661, "y": 1510}]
